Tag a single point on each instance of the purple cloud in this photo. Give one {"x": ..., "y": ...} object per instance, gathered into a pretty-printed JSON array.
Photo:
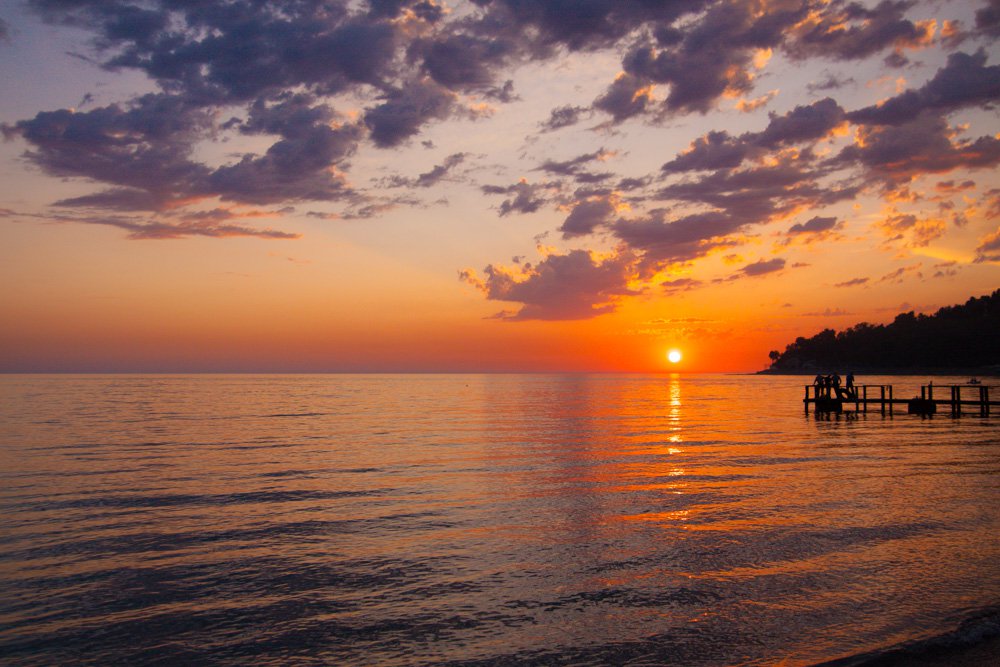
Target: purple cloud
[
  {"x": 561, "y": 117},
  {"x": 920, "y": 146},
  {"x": 560, "y": 287},
  {"x": 527, "y": 197},
  {"x": 212, "y": 224},
  {"x": 965, "y": 81},
  {"x": 814, "y": 225},
  {"x": 853, "y": 282},
  {"x": 988, "y": 249},
  {"x": 588, "y": 215},
  {"x": 762, "y": 267},
  {"x": 716, "y": 150},
  {"x": 405, "y": 110},
  {"x": 852, "y": 31}
]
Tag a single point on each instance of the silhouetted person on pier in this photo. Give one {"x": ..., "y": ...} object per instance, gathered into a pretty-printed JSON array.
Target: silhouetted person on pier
[
  {"x": 818, "y": 383},
  {"x": 835, "y": 381},
  {"x": 852, "y": 391}
]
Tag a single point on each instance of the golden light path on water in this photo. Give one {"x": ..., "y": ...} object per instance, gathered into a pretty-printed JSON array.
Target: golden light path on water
[{"x": 475, "y": 519}]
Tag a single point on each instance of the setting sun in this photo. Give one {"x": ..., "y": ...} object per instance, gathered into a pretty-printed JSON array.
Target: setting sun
[{"x": 673, "y": 356}]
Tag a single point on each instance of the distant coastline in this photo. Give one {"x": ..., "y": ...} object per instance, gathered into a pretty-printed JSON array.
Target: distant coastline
[
  {"x": 956, "y": 340},
  {"x": 989, "y": 371}
]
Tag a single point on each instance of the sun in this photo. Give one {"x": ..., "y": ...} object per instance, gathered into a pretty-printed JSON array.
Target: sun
[{"x": 674, "y": 356}]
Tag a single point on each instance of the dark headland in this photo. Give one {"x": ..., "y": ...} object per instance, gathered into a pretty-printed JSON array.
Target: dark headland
[{"x": 956, "y": 340}]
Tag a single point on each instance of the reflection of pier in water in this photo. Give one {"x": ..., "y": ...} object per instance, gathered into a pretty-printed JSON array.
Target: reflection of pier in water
[{"x": 880, "y": 396}]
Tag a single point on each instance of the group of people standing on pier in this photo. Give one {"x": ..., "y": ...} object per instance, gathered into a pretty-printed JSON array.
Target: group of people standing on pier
[{"x": 828, "y": 386}]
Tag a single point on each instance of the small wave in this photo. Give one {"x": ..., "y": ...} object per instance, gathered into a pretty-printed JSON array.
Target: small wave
[
  {"x": 978, "y": 629},
  {"x": 295, "y": 414},
  {"x": 235, "y": 538},
  {"x": 623, "y": 596},
  {"x": 178, "y": 499},
  {"x": 287, "y": 473}
]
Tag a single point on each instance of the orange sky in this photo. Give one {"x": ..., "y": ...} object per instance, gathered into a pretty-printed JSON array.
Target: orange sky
[{"x": 492, "y": 190}]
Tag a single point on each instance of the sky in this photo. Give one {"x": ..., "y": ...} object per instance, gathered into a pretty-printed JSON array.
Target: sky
[{"x": 494, "y": 185}]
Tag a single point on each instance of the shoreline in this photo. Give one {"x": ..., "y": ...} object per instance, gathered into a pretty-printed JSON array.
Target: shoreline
[
  {"x": 909, "y": 372},
  {"x": 975, "y": 642},
  {"x": 985, "y": 653}
]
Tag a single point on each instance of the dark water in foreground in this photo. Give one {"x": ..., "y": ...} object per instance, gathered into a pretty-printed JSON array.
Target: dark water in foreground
[{"x": 399, "y": 520}]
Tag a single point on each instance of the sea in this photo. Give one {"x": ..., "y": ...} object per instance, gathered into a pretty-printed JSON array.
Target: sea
[{"x": 701, "y": 520}]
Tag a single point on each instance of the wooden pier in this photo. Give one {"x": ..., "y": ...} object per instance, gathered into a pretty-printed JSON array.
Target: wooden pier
[{"x": 974, "y": 398}]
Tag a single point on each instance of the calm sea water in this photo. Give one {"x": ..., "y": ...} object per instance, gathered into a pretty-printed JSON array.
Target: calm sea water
[{"x": 484, "y": 519}]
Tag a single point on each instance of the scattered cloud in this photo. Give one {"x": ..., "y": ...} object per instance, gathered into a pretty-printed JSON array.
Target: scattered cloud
[
  {"x": 680, "y": 285},
  {"x": 588, "y": 215},
  {"x": 628, "y": 96},
  {"x": 212, "y": 224},
  {"x": 828, "y": 312},
  {"x": 719, "y": 150},
  {"x": 662, "y": 240},
  {"x": 564, "y": 116},
  {"x": 814, "y": 225},
  {"x": 829, "y": 81},
  {"x": 947, "y": 269},
  {"x": 429, "y": 178},
  {"x": 749, "y": 106},
  {"x": 715, "y": 150},
  {"x": 576, "y": 285},
  {"x": 898, "y": 275},
  {"x": 763, "y": 266},
  {"x": 853, "y": 31},
  {"x": 853, "y": 282},
  {"x": 925, "y": 145},
  {"x": 988, "y": 19},
  {"x": 988, "y": 249},
  {"x": 406, "y": 109},
  {"x": 964, "y": 81},
  {"x": 914, "y": 231},
  {"x": 574, "y": 167},
  {"x": 527, "y": 197},
  {"x": 951, "y": 187}
]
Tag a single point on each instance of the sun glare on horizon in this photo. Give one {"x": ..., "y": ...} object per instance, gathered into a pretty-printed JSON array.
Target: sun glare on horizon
[{"x": 674, "y": 356}]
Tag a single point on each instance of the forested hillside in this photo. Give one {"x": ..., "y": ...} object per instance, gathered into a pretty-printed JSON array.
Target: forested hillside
[{"x": 966, "y": 336}]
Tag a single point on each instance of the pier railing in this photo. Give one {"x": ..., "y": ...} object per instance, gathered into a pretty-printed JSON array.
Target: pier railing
[{"x": 881, "y": 396}]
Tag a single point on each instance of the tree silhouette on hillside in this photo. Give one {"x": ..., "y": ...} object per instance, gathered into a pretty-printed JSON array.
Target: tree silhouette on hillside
[{"x": 965, "y": 336}]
